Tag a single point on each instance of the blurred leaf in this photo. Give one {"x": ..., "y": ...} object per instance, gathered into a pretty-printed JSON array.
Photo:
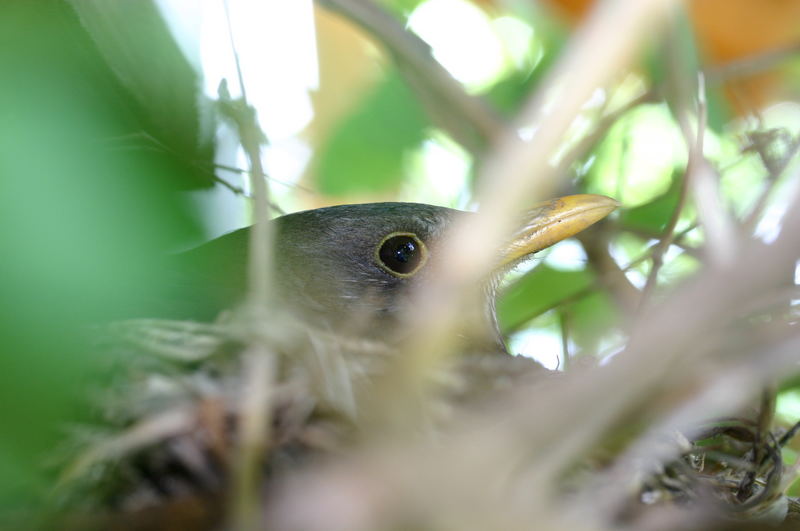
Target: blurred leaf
[
  {"x": 674, "y": 66},
  {"x": 548, "y": 41},
  {"x": 509, "y": 94},
  {"x": 366, "y": 152},
  {"x": 635, "y": 161},
  {"x": 788, "y": 406},
  {"x": 679, "y": 267},
  {"x": 653, "y": 217},
  {"x": 537, "y": 292},
  {"x": 743, "y": 180},
  {"x": 590, "y": 319},
  {"x": 718, "y": 108},
  {"x": 683, "y": 59},
  {"x": 401, "y": 7},
  {"x": 683, "y": 44},
  {"x": 140, "y": 50},
  {"x": 654, "y": 65},
  {"x": 81, "y": 224}
]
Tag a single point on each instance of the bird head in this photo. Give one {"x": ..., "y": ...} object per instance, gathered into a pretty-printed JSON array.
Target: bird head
[{"x": 353, "y": 268}]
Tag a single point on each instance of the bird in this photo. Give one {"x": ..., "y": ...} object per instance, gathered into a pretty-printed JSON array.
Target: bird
[
  {"x": 353, "y": 268},
  {"x": 345, "y": 273}
]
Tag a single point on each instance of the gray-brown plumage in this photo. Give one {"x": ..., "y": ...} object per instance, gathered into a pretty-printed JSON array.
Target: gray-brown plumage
[
  {"x": 343, "y": 278},
  {"x": 351, "y": 268}
]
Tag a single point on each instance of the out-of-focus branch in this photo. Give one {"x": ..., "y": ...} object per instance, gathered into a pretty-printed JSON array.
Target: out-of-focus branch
[
  {"x": 677, "y": 241},
  {"x": 595, "y": 242},
  {"x": 668, "y": 236},
  {"x": 685, "y": 88},
  {"x": 526, "y": 438},
  {"x": 667, "y": 333},
  {"x": 775, "y": 169},
  {"x": 766, "y": 415},
  {"x": 258, "y": 361},
  {"x": 609, "y": 273},
  {"x": 752, "y": 65},
  {"x": 518, "y": 171},
  {"x": 468, "y": 119},
  {"x": 601, "y": 129}
]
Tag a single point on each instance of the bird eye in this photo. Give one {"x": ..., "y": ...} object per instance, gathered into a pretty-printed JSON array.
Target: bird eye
[{"x": 401, "y": 254}]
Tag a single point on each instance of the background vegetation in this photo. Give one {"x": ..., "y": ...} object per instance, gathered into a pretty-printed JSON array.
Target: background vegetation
[{"x": 119, "y": 143}]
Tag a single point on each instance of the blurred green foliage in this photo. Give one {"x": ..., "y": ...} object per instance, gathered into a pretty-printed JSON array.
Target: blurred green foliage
[
  {"x": 366, "y": 153},
  {"x": 653, "y": 217},
  {"x": 549, "y": 38},
  {"x": 83, "y": 210},
  {"x": 537, "y": 292},
  {"x": 101, "y": 130},
  {"x": 137, "y": 47}
]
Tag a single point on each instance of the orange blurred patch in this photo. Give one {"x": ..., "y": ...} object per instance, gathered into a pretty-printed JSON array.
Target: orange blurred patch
[
  {"x": 731, "y": 30},
  {"x": 350, "y": 64}
]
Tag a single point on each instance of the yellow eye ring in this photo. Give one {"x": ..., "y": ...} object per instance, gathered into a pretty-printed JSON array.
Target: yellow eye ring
[{"x": 401, "y": 254}]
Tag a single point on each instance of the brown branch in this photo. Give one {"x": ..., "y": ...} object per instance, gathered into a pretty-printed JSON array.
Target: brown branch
[
  {"x": 595, "y": 242},
  {"x": 564, "y": 324},
  {"x": 789, "y": 435},
  {"x": 775, "y": 169},
  {"x": 601, "y": 129},
  {"x": 610, "y": 276},
  {"x": 676, "y": 327},
  {"x": 234, "y": 169},
  {"x": 668, "y": 236},
  {"x": 258, "y": 361},
  {"x": 752, "y": 65},
  {"x": 682, "y": 96},
  {"x": 519, "y": 170},
  {"x": 676, "y": 241},
  {"x": 468, "y": 119},
  {"x": 766, "y": 414}
]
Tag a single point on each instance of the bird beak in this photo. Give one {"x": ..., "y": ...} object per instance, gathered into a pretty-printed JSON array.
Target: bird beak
[{"x": 551, "y": 221}]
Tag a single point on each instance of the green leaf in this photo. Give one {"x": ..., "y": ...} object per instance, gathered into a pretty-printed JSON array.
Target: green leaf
[
  {"x": 680, "y": 57},
  {"x": 638, "y": 156},
  {"x": 653, "y": 217},
  {"x": 535, "y": 293},
  {"x": 81, "y": 223},
  {"x": 718, "y": 108},
  {"x": 590, "y": 319},
  {"x": 138, "y": 47},
  {"x": 366, "y": 152},
  {"x": 402, "y": 8},
  {"x": 549, "y": 39}
]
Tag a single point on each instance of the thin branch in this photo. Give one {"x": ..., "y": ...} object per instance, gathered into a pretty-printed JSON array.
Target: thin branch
[
  {"x": 696, "y": 158},
  {"x": 610, "y": 276},
  {"x": 444, "y": 95},
  {"x": 566, "y": 301},
  {"x": 259, "y": 265},
  {"x": 775, "y": 169},
  {"x": 163, "y": 148},
  {"x": 789, "y": 435},
  {"x": 564, "y": 322},
  {"x": 258, "y": 363},
  {"x": 766, "y": 414},
  {"x": 232, "y": 42},
  {"x": 656, "y": 253},
  {"x": 601, "y": 129},
  {"x": 752, "y": 65},
  {"x": 677, "y": 241},
  {"x": 296, "y": 186},
  {"x": 518, "y": 171},
  {"x": 595, "y": 244}
]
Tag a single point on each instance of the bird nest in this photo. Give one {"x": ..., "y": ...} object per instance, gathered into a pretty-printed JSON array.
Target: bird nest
[{"x": 338, "y": 450}]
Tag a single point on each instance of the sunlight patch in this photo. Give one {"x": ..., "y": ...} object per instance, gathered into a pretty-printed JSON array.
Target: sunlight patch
[{"x": 463, "y": 40}]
